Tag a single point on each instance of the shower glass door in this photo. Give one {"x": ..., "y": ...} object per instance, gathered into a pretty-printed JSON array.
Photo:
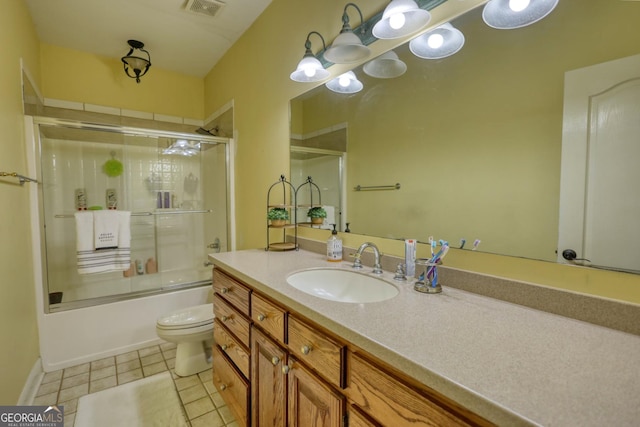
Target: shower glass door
[{"x": 175, "y": 187}]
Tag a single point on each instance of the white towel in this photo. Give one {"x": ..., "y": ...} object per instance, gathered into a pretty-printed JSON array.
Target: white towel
[
  {"x": 105, "y": 229},
  {"x": 92, "y": 260}
]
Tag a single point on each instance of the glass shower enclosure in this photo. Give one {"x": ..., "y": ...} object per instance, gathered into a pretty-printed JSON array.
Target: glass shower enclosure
[{"x": 174, "y": 185}]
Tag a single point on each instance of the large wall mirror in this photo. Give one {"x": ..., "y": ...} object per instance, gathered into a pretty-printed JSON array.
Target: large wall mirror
[{"x": 474, "y": 139}]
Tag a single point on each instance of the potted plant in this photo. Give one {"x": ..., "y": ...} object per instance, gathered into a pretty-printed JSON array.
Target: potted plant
[
  {"x": 278, "y": 216},
  {"x": 317, "y": 215}
]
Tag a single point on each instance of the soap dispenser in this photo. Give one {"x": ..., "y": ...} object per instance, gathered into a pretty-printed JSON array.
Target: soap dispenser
[{"x": 334, "y": 246}]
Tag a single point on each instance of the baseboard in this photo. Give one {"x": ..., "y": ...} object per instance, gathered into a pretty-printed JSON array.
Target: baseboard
[{"x": 32, "y": 384}]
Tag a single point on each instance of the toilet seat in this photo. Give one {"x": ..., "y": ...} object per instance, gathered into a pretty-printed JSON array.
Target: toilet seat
[{"x": 188, "y": 318}]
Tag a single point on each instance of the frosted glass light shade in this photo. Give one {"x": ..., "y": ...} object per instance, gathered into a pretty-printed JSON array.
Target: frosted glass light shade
[
  {"x": 400, "y": 18},
  {"x": 309, "y": 69},
  {"x": 502, "y": 15},
  {"x": 386, "y": 66},
  {"x": 451, "y": 40},
  {"x": 347, "y": 48},
  {"x": 345, "y": 83}
]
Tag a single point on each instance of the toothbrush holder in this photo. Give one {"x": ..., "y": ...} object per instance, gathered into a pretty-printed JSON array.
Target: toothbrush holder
[{"x": 427, "y": 275}]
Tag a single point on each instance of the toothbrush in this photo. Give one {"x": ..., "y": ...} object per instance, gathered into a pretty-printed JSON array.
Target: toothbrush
[
  {"x": 476, "y": 243},
  {"x": 462, "y": 243}
]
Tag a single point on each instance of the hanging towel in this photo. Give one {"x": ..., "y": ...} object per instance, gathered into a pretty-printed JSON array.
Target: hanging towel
[
  {"x": 92, "y": 260},
  {"x": 105, "y": 229}
]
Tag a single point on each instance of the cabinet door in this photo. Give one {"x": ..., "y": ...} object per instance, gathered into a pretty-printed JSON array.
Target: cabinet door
[
  {"x": 311, "y": 401},
  {"x": 268, "y": 382}
]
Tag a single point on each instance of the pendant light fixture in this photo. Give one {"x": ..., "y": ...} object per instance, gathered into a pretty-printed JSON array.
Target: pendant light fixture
[
  {"x": 345, "y": 83},
  {"x": 310, "y": 68},
  {"x": 401, "y": 18},
  {"x": 136, "y": 64},
  {"x": 509, "y": 14},
  {"x": 438, "y": 43},
  {"x": 386, "y": 66},
  {"x": 347, "y": 48}
]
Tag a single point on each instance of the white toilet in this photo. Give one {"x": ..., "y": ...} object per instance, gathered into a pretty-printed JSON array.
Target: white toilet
[{"x": 192, "y": 329}]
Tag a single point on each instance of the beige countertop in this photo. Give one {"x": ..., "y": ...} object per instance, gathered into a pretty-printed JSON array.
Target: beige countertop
[{"x": 510, "y": 364}]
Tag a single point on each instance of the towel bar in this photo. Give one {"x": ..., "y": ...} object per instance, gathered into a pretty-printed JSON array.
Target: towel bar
[{"x": 21, "y": 178}]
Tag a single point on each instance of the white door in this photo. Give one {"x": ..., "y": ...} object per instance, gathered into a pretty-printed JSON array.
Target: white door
[{"x": 600, "y": 178}]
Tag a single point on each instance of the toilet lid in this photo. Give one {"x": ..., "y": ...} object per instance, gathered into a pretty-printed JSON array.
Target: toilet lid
[{"x": 188, "y": 317}]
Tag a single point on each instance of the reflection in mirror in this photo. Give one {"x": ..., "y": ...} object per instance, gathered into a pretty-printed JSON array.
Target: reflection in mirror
[{"x": 475, "y": 139}]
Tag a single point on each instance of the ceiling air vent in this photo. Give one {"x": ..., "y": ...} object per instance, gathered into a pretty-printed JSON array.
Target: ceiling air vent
[{"x": 204, "y": 7}]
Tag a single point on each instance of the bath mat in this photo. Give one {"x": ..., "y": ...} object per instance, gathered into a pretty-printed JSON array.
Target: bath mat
[{"x": 152, "y": 401}]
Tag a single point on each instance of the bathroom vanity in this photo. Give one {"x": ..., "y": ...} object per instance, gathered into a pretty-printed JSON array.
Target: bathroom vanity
[{"x": 284, "y": 357}]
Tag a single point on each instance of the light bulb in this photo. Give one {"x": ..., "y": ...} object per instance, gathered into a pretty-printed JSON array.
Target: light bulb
[
  {"x": 518, "y": 5},
  {"x": 344, "y": 81},
  {"x": 309, "y": 72},
  {"x": 435, "y": 41},
  {"x": 397, "y": 20}
]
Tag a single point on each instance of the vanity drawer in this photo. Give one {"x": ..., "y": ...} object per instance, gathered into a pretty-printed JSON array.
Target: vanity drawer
[
  {"x": 234, "y": 292},
  {"x": 232, "y": 348},
  {"x": 232, "y": 387},
  {"x": 235, "y": 322},
  {"x": 268, "y": 316},
  {"x": 390, "y": 402},
  {"x": 317, "y": 350}
]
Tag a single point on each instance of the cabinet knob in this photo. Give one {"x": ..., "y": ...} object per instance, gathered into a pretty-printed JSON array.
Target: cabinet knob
[
  {"x": 285, "y": 369},
  {"x": 275, "y": 360},
  {"x": 224, "y": 290},
  {"x": 223, "y": 386},
  {"x": 224, "y": 347},
  {"x": 306, "y": 349},
  {"x": 225, "y": 318},
  {"x": 261, "y": 317}
]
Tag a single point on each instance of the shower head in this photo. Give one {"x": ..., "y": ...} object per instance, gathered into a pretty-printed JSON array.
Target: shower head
[{"x": 203, "y": 131}]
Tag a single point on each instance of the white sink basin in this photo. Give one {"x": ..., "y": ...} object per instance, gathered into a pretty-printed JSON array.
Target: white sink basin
[{"x": 342, "y": 285}]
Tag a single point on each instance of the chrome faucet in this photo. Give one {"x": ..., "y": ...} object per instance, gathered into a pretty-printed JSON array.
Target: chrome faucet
[{"x": 357, "y": 263}]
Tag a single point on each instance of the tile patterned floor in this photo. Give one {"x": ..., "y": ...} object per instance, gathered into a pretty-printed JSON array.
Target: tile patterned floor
[{"x": 201, "y": 403}]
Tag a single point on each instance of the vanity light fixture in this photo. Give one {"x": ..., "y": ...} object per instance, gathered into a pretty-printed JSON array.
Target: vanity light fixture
[
  {"x": 400, "y": 18},
  {"x": 385, "y": 66},
  {"x": 347, "y": 48},
  {"x": 345, "y": 83},
  {"x": 440, "y": 42},
  {"x": 138, "y": 65},
  {"x": 509, "y": 14},
  {"x": 310, "y": 68}
]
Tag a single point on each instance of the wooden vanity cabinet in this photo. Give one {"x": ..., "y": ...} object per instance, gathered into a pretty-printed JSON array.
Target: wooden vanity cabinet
[
  {"x": 231, "y": 352},
  {"x": 302, "y": 375},
  {"x": 268, "y": 381}
]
